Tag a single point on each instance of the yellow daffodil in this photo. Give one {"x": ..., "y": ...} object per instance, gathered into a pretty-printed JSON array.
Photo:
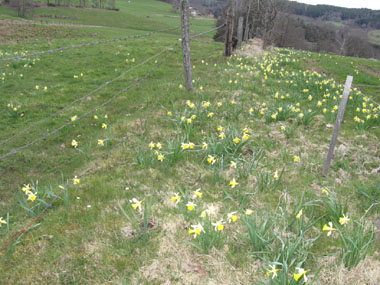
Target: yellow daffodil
[
  {"x": 158, "y": 145},
  {"x": 26, "y": 188},
  {"x": 190, "y": 206},
  {"x": 32, "y": 196},
  {"x": 296, "y": 158},
  {"x": 220, "y": 129},
  {"x": 275, "y": 175},
  {"x": 219, "y": 225},
  {"x": 76, "y": 180},
  {"x": 236, "y": 140},
  {"x": 325, "y": 191},
  {"x": 74, "y": 143},
  {"x": 169, "y": 113},
  {"x": 299, "y": 274},
  {"x": 344, "y": 220},
  {"x": 232, "y": 217},
  {"x": 104, "y": 126},
  {"x": 329, "y": 228},
  {"x": 196, "y": 230},
  {"x": 152, "y": 145},
  {"x": 211, "y": 159},
  {"x": 2, "y": 221},
  {"x": 197, "y": 193},
  {"x": 299, "y": 215},
  {"x": 248, "y": 212},
  {"x": 176, "y": 198},
  {"x": 233, "y": 164},
  {"x": 222, "y": 135},
  {"x": 233, "y": 183},
  {"x": 210, "y": 115},
  {"x": 101, "y": 142},
  {"x": 96, "y": 117},
  {"x": 184, "y": 146},
  {"x": 191, "y": 145},
  {"x": 204, "y": 145},
  {"x": 272, "y": 271},
  {"x": 136, "y": 204},
  {"x": 245, "y": 137},
  {"x": 160, "y": 157},
  {"x": 74, "y": 118}
]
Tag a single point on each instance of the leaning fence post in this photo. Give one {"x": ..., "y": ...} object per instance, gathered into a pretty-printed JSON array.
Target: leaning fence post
[
  {"x": 338, "y": 123},
  {"x": 186, "y": 44},
  {"x": 229, "y": 29}
]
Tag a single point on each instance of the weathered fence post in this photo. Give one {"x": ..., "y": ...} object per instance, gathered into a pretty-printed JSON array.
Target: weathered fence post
[
  {"x": 246, "y": 30},
  {"x": 240, "y": 32},
  {"x": 186, "y": 43},
  {"x": 339, "y": 119},
  {"x": 229, "y": 29}
]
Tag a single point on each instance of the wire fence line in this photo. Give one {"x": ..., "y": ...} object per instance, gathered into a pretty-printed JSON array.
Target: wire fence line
[
  {"x": 16, "y": 150},
  {"x": 88, "y": 171},
  {"x": 51, "y": 51},
  {"x": 94, "y": 91},
  {"x": 81, "y": 98}
]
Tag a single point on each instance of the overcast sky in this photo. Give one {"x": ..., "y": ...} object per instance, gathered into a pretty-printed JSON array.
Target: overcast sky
[{"x": 371, "y": 4}]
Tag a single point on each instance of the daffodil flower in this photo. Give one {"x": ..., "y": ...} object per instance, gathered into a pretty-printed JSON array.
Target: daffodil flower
[
  {"x": 196, "y": 230},
  {"x": 104, "y": 126},
  {"x": 211, "y": 159},
  {"x": 232, "y": 217},
  {"x": 275, "y": 176},
  {"x": 233, "y": 183},
  {"x": 74, "y": 143},
  {"x": 160, "y": 157},
  {"x": 222, "y": 135},
  {"x": 197, "y": 193},
  {"x": 176, "y": 198},
  {"x": 190, "y": 206},
  {"x": 76, "y": 180},
  {"x": 236, "y": 140},
  {"x": 299, "y": 215},
  {"x": 32, "y": 196},
  {"x": 26, "y": 188},
  {"x": 204, "y": 145},
  {"x": 296, "y": 158},
  {"x": 136, "y": 204},
  {"x": 233, "y": 164},
  {"x": 101, "y": 142},
  {"x": 272, "y": 271},
  {"x": 73, "y": 118},
  {"x": 329, "y": 228},
  {"x": 219, "y": 225},
  {"x": 300, "y": 272},
  {"x": 344, "y": 220},
  {"x": 325, "y": 191},
  {"x": 2, "y": 221},
  {"x": 245, "y": 137},
  {"x": 248, "y": 212}
]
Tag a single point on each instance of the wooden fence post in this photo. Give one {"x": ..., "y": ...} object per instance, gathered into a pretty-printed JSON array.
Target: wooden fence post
[
  {"x": 186, "y": 43},
  {"x": 229, "y": 29},
  {"x": 339, "y": 119},
  {"x": 240, "y": 32}
]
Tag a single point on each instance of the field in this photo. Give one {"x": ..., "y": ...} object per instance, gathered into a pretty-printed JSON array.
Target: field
[{"x": 111, "y": 171}]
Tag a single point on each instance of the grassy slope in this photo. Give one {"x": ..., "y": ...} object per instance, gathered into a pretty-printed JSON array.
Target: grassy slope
[{"x": 81, "y": 244}]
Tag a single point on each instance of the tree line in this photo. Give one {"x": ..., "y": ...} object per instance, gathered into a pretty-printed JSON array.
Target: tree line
[{"x": 274, "y": 22}]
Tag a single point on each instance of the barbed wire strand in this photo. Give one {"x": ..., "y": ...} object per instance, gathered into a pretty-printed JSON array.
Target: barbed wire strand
[
  {"x": 81, "y": 98},
  {"x": 15, "y": 151},
  {"x": 82, "y": 174},
  {"x": 93, "y": 91}
]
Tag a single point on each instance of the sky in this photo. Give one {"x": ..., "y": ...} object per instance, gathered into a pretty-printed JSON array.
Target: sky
[{"x": 371, "y": 4}]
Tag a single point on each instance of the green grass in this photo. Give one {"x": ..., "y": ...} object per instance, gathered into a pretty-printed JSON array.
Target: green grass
[{"x": 87, "y": 239}]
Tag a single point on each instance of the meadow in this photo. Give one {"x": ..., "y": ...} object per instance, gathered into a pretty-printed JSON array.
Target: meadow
[{"x": 111, "y": 171}]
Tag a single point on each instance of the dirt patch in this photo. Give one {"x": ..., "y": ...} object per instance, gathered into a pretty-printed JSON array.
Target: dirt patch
[{"x": 253, "y": 48}]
